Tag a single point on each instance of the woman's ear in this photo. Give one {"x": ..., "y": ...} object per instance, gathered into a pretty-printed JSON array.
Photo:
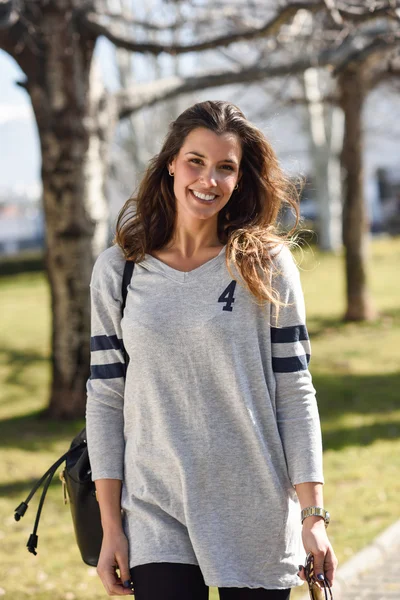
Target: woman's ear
[{"x": 171, "y": 166}]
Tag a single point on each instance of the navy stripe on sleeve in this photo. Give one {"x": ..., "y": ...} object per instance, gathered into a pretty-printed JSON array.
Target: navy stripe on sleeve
[
  {"x": 284, "y": 335},
  {"x": 110, "y": 371},
  {"x": 290, "y": 364},
  {"x": 105, "y": 342}
]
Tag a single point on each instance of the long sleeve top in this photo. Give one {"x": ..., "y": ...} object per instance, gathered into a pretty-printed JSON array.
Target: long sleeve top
[{"x": 215, "y": 422}]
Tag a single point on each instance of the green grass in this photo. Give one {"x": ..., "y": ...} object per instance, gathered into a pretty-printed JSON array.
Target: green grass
[{"x": 356, "y": 373}]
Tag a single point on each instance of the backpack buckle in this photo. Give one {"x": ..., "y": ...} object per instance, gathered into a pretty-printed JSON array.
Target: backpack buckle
[{"x": 64, "y": 486}]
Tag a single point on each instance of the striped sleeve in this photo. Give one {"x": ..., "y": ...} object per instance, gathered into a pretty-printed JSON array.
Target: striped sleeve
[
  {"x": 296, "y": 405},
  {"x": 105, "y": 387}
]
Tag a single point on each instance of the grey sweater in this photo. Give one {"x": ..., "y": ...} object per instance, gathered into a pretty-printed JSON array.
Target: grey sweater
[{"x": 215, "y": 423}]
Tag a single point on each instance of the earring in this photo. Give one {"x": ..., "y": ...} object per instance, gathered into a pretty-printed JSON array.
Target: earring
[
  {"x": 236, "y": 187},
  {"x": 171, "y": 174}
]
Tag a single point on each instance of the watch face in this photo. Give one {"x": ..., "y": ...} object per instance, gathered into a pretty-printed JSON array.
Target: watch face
[{"x": 327, "y": 517}]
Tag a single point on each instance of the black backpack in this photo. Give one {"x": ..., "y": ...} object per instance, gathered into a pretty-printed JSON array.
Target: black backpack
[{"x": 77, "y": 482}]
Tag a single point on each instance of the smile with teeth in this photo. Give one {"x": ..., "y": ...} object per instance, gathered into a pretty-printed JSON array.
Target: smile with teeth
[{"x": 207, "y": 197}]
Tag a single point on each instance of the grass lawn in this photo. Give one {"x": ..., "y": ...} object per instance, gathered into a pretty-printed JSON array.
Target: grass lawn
[{"x": 356, "y": 373}]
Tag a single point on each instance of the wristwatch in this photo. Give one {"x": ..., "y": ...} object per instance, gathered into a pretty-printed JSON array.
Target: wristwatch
[{"x": 315, "y": 511}]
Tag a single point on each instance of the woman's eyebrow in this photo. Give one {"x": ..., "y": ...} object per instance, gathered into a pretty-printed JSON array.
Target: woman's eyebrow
[{"x": 228, "y": 160}]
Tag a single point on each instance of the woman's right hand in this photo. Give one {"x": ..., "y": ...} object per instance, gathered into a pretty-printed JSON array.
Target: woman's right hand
[{"x": 114, "y": 555}]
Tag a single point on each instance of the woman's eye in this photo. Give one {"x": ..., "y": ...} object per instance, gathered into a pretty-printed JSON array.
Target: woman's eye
[{"x": 198, "y": 161}]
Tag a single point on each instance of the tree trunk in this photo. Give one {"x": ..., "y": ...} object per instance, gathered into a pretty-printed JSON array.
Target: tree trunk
[
  {"x": 355, "y": 226},
  {"x": 59, "y": 90}
]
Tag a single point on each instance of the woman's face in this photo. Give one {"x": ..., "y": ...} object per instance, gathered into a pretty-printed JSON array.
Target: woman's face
[{"x": 206, "y": 171}]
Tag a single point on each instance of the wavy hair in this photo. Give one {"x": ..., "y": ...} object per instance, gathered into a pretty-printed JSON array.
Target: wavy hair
[{"x": 247, "y": 224}]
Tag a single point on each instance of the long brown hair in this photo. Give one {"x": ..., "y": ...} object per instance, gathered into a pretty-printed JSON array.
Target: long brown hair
[{"x": 247, "y": 224}]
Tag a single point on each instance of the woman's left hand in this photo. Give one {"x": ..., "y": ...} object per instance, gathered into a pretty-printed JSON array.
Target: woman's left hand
[{"x": 315, "y": 540}]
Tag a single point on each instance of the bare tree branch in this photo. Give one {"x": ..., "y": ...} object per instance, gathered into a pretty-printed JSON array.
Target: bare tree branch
[
  {"x": 8, "y": 14},
  {"x": 335, "y": 14},
  {"x": 384, "y": 76},
  {"x": 270, "y": 27},
  {"x": 13, "y": 39},
  {"x": 228, "y": 14},
  {"x": 365, "y": 13},
  {"x": 8, "y": 19},
  {"x": 329, "y": 99},
  {"x": 379, "y": 46},
  {"x": 121, "y": 20},
  {"x": 148, "y": 94}
]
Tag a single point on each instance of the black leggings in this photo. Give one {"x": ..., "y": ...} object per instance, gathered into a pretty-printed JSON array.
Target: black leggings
[{"x": 175, "y": 581}]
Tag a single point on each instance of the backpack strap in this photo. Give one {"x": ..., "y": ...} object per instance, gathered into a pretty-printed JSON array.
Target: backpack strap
[
  {"x": 23, "y": 507},
  {"x": 126, "y": 279}
]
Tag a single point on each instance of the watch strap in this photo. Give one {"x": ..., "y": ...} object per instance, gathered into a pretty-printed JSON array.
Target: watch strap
[{"x": 315, "y": 511}]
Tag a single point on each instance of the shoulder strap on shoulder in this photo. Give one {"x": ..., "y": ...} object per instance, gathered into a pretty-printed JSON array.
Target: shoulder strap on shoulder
[{"x": 126, "y": 278}]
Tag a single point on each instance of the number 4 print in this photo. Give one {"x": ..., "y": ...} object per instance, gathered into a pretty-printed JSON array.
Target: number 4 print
[{"x": 227, "y": 296}]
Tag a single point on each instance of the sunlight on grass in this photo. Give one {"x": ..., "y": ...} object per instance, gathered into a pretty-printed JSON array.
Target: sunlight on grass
[{"x": 356, "y": 373}]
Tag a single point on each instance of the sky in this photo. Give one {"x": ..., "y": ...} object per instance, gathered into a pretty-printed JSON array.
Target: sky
[{"x": 19, "y": 143}]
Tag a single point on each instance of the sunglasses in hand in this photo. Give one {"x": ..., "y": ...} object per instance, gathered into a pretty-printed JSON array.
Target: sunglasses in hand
[{"x": 319, "y": 590}]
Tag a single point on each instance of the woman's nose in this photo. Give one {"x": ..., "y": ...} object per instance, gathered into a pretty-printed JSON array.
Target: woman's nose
[{"x": 209, "y": 178}]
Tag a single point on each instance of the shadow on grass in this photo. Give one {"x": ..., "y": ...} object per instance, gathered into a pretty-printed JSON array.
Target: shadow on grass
[
  {"x": 342, "y": 393},
  {"x": 21, "y": 489},
  {"x": 34, "y": 433},
  {"x": 363, "y": 435},
  {"x": 323, "y": 326},
  {"x": 359, "y": 395},
  {"x": 31, "y": 431},
  {"x": 17, "y": 361}
]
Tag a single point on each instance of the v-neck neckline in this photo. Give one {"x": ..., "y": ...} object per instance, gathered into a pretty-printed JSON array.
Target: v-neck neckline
[{"x": 183, "y": 276}]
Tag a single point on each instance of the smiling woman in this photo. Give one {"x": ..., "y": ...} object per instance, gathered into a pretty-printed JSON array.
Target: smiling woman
[
  {"x": 205, "y": 181},
  {"x": 211, "y": 443}
]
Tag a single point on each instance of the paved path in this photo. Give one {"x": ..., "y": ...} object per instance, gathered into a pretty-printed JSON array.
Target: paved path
[{"x": 373, "y": 573}]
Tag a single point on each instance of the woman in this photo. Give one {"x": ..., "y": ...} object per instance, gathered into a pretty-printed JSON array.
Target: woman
[{"x": 212, "y": 444}]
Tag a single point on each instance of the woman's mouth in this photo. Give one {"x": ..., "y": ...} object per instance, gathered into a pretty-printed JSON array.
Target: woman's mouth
[{"x": 204, "y": 198}]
